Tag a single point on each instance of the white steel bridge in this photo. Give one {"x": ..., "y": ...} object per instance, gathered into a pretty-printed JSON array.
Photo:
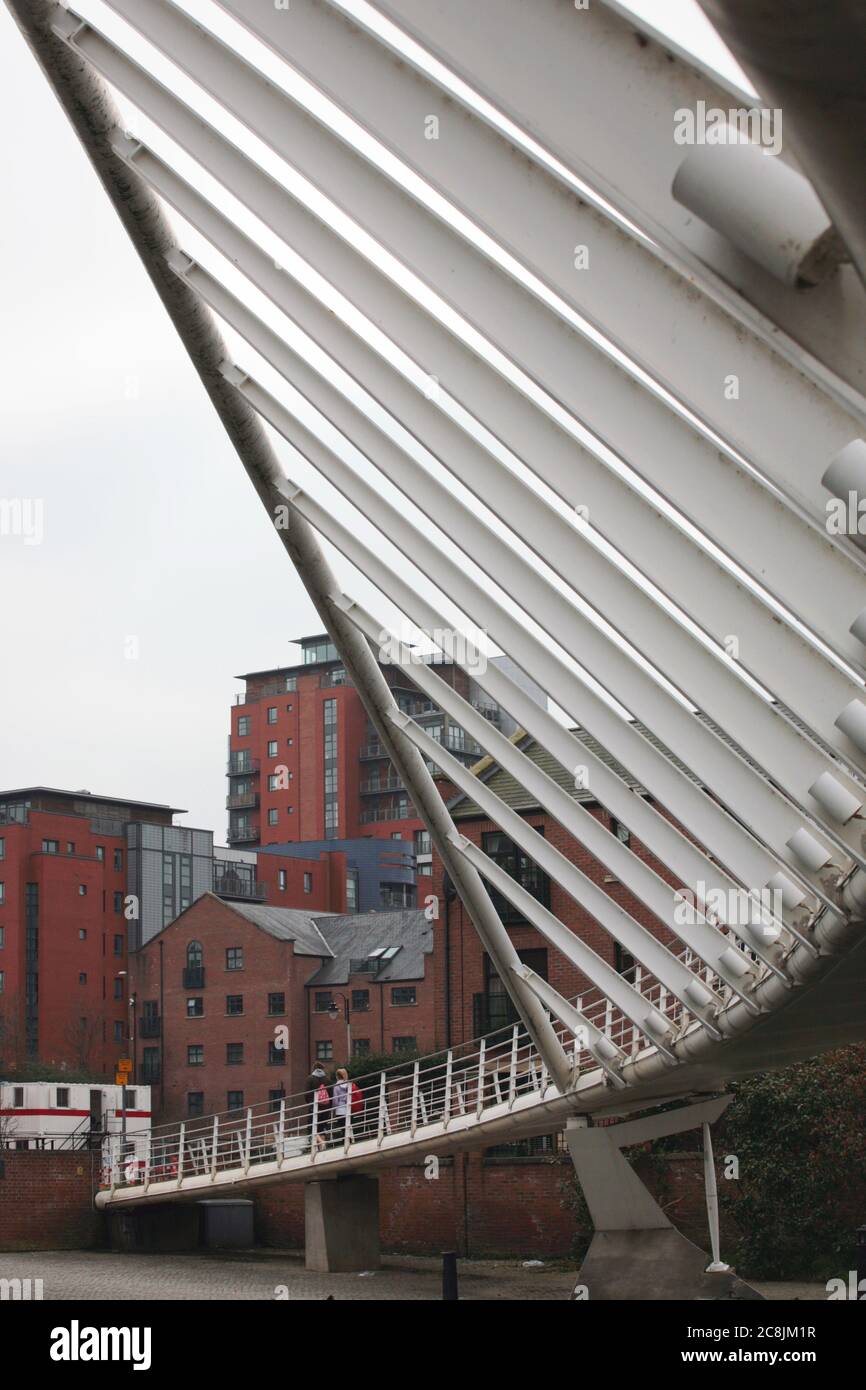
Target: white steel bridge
[{"x": 592, "y": 380}]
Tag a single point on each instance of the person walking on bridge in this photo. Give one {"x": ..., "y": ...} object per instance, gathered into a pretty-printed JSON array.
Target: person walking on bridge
[{"x": 319, "y": 1100}]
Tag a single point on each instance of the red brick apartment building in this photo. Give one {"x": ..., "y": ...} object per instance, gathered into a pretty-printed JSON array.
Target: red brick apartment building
[
  {"x": 63, "y": 929},
  {"x": 305, "y": 763},
  {"x": 212, "y": 990},
  {"x": 84, "y": 881}
]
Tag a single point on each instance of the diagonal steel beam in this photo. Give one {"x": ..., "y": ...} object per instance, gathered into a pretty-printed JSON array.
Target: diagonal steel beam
[{"x": 93, "y": 117}]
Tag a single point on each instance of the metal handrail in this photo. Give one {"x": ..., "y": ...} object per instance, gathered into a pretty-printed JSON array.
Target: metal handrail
[{"x": 467, "y": 1080}]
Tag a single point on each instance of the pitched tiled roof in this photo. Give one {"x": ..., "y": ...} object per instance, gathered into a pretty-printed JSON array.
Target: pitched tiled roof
[
  {"x": 288, "y": 924},
  {"x": 356, "y": 936}
]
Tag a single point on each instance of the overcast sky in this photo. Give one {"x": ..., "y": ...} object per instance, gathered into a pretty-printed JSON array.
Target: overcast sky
[{"x": 158, "y": 577}]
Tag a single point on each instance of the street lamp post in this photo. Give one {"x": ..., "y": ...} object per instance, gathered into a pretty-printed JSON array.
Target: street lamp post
[{"x": 334, "y": 1011}]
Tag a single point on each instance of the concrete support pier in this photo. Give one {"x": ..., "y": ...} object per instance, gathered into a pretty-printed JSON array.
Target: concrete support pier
[
  {"x": 636, "y": 1253},
  {"x": 341, "y": 1222}
]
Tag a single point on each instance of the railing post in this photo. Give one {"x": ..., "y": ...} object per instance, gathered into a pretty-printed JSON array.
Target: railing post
[
  {"x": 214, "y": 1148},
  {"x": 112, "y": 1162},
  {"x": 147, "y": 1156},
  {"x": 414, "y": 1118},
  {"x": 314, "y": 1131},
  {"x": 512, "y": 1070},
  {"x": 479, "y": 1086},
  {"x": 249, "y": 1142},
  {"x": 180, "y": 1148},
  {"x": 382, "y": 1110},
  {"x": 446, "y": 1108},
  {"x": 281, "y": 1132}
]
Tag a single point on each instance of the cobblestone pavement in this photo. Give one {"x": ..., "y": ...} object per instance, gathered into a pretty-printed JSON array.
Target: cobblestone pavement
[{"x": 274, "y": 1275}]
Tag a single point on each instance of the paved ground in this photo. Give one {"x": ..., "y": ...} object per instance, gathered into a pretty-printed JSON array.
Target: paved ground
[{"x": 276, "y": 1274}]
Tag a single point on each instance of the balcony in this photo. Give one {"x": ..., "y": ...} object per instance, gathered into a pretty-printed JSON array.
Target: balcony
[
  {"x": 383, "y": 813},
  {"x": 382, "y": 784},
  {"x": 242, "y": 801},
  {"x": 150, "y": 1026},
  {"x": 239, "y": 765},
  {"x": 287, "y": 686},
  {"x": 242, "y": 834},
  {"x": 235, "y": 881},
  {"x": 373, "y": 750},
  {"x": 193, "y": 977}
]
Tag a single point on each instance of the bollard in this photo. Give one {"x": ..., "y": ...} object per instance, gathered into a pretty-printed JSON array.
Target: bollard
[{"x": 449, "y": 1276}]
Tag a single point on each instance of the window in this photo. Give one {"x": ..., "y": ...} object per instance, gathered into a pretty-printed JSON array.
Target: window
[
  {"x": 493, "y": 1009},
  {"x": 2, "y": 847},
  {"x": 234, "y": 1054},
  {"x": 622, "y": 833},
  {"x": 291, "y": 684},
  {"x": 2, "y": 981},
  {"x": 518, "y": 866},
  {"x": 195, "y": 1055},
  {"x": 332, "y": 804},
  {"x": 62, "y": 1101},
  {"x": 352, "y": 881},
  {"x": 193, "y": 975},
  {"x": 195, "y": 1008},
  {"x": 50, "y": 847},
  {"x": 308, "y": 883},
  {"x": 118, "y": 989},
  {"x": 423, "y": 843},
  {"x": 289, "y": 741},
  {"x": 100, "y": 853},
  {"x": 234, "y": 1003},
  {"x": 235, "y": 1100},
  {"x": 70, "y": 846},
  {"x": 272, "y": 714},
  {"x": 195, "y": 1102},
  {"x": 118, "y": 901},
  {"x": 403, "y": 1044},
  {"x": 273, "y": 816},
  {"x": 82, "y": 933},
  {"x": 235, "y": 958},
  {"x": 118, "y": 1031},
  {"x": 82, "y": 978},
  {"x": 360, "y": 1047},
  {"x": 403, "y": 995},
  {"x": 396, "y": 835},
  {"x": 272, "y": 748},
  {"x": 360, "y": 1000},
  {"x": 118, "y": 944},
  {"x": 118, "y": 859},
  {"x": 244, "y": 722},
  {"x": 324, "y": 1050},
  {"x": 2, "y": 937},
  {"x": 282, "y": 879},
  {"x": 323, "y": 1001},
  {"x": 18, "y": 1098},
  {"x": 82, "y": 890},
  {"x": 623, "y": 960},
  {"x": 277, "y": 1003},
  {"x": 426, "y": 870},
  {"x": 276, "y": 1055}
]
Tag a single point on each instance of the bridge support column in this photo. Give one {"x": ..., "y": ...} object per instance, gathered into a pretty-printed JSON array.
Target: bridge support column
[
  {"x": 341, "y": 1225},
  {"x": 636, "y": 1253}
]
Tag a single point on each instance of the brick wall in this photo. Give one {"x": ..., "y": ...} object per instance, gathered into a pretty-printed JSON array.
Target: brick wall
[
  {"x": 505, "y": 1207},
  {"x": 46, "y": 1201}
]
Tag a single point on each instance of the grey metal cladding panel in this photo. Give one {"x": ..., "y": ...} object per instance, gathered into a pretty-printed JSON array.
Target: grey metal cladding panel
[
  {"x": 151, "y": 836},
  {"x": 202, "y": 842}
]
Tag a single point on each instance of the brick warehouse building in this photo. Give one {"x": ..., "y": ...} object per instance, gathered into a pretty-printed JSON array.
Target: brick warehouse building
[
  {"x": 212, "y": 989},
  {"x": 474, "y": 1000}
]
